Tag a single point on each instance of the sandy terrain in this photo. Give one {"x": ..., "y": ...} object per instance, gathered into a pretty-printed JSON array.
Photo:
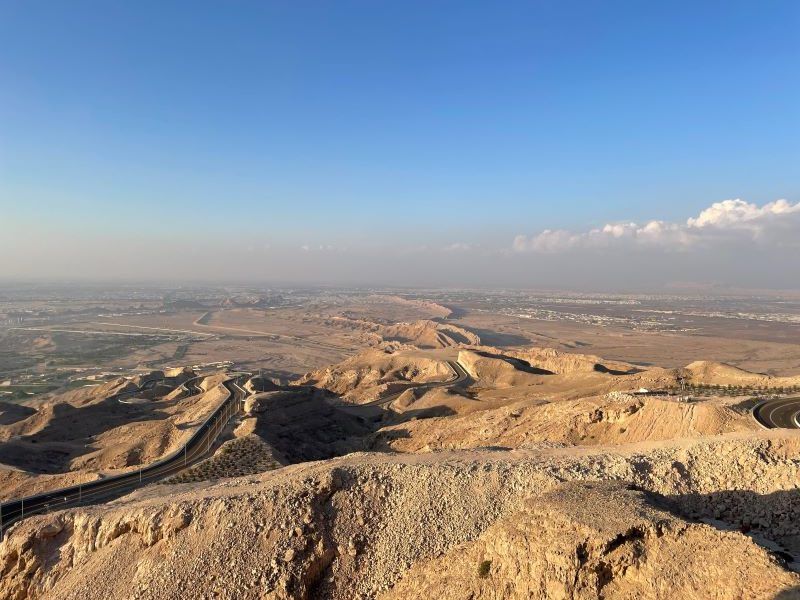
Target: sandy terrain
[
  {"x": 427, "y": 525},
  {"x": 612, "y": 419},
  {"x": 642, "y": 348},
  {"x": 79, "y": 435},
  {"x": 373, "y": 373},
  {"x": 566, "y": 463}
]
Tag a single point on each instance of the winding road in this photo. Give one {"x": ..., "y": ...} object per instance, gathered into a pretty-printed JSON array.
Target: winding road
[
  {"x": 198, "y": 447},
  {"x": 783, "y": 413},
  {"x": 460, "y": 377}
]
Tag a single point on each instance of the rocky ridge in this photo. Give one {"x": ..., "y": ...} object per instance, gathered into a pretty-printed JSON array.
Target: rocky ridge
[{"x": 369, "y": 524}]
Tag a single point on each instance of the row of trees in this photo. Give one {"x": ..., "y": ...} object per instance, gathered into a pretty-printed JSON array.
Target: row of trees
[{"x": 736, "y": 390}]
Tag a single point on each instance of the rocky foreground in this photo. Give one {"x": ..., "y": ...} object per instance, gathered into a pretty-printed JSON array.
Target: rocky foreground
[
  {"x": 686, "y": 519},
  {"x": 534, "y": 474}
]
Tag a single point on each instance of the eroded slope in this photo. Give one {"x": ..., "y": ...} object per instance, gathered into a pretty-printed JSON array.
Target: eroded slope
[{"x": 360, "y": 525}]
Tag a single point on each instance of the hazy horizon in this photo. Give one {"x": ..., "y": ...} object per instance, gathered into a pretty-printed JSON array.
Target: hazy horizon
[{"x": 570, "y": 146}]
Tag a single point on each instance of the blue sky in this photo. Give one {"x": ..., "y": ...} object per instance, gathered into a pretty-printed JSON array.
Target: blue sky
[{"x": 378, "y": 124}]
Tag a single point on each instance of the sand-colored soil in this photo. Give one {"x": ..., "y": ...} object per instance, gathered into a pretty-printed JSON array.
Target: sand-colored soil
[
  {"x": 372, "y": 373},
  {"x": 80, "y": 435},
  {"x": 714, "y": 373},
  {"x": 612, "y": 419},
  {"x": 590, "y": 540},
  {"x": 408, "y": 526},
  {"x": 544, "y": 473}
]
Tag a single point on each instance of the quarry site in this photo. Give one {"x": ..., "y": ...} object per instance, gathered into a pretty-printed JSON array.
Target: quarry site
[{"x": 346, "y": 443}]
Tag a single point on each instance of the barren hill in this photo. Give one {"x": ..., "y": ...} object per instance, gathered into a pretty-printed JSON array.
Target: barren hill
[
  {"x": 714, "y": 373},
  {"x": 427, "y": 525},
  {"x": 370, "y": 373},
  {"x": 78, "y": 435},
  {"x": 621, "y": 544},
  {"x": 565, "y": 363},
  {"x": 538, "y": 474},
  {"x": 423, "y": 333},
  {"x": 612, "y": 419},
  {"x": 428, "y": 334}
]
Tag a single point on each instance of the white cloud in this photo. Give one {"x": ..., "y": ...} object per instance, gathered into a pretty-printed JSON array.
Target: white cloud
[
  {"x": 776, "y": 223},
  {"x": 738, "y": 213}
]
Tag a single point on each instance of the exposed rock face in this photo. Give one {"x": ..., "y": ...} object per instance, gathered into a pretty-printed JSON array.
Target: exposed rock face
[
  {"x": 179, "y": 373},
  {"x": 261, "y": 384},
  {"x": 498, "y": 370},
  {"x": 301, "y": 425},
  {"x": 259, "y": 403},
  {"x": 715, "y": 373},
  {"x": 566, "y": 362},
  {"x": 74, "y": 436},
  {"x": 11, "y": 412},
  {"x": 140, "y": 380},
  {"x": 428, "y": 334},
  {"x": 422, "y": 333},
  {"x": 372, "y": 373},
  {"x": 541, "y": 479},
  {"x": 588, "y": 541},
  {"x": 422, "y": 526},
  {"x": 612, "y": 419},
  {"x": 89, "y": 395}
]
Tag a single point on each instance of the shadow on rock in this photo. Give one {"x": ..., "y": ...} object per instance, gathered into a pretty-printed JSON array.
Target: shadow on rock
[
  {"x": 302, "y": 423},
  {"x": 773, "y": 517},
  {"x": 517, "y": 363},
  {"x": 69, "y": 431}
]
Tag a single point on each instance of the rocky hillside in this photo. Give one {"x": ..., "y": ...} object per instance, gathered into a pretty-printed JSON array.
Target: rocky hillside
[
  {"x": 567, "y": 375},
  {"x": 428, "y": 334},
  {"x": 371, "y": 373},
  {"x": 565, "y": 363},
  {"x": 537, "y": 475},
  {"x": 74, "y": 437},
  {"x": 423, "y": 333},
  {"x": 714, "y": 373},
  {"x": 615, "y": 418},
  {"x": 621, "y": 544},
  {"x": 488, "y": 523}
]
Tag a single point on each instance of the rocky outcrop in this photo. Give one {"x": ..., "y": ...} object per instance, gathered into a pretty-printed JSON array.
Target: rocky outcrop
[
  {"x": 428, "y": 334},
  {"x": 424, "y": 526},
  {"x": 65, "y": 540},
  {"x": 611, "y": 419},
  {"x": 563, "y": 363},
  {"x": 589, "y": 541},
  {"x": 499, "y": 370},
  {"x": 372, "y": 373},
  {"x": 261, "y": 402},
  {"x": 714, "y": 373}
]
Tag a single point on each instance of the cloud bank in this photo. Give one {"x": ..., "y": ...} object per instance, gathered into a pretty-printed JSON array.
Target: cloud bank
[
  {"x": 731, "y": 243},
  {"x": 728, "y": 222}
]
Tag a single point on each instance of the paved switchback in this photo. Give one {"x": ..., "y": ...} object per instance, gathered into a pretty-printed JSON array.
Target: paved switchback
[
  {"x": 782, "y": 413},
  {"x": 198, "y": 447},
  {"x": 460, "y": 378}
]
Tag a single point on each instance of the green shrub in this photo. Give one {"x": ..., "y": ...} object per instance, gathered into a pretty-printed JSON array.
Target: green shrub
[{"x": 483, "y": 569}]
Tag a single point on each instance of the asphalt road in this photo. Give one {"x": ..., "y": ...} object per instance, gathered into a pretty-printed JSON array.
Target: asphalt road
[
  {"x": 198, "y": 447},
  {"x": 460, "y": 378},
  {"x": 780, "y": 413}
]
